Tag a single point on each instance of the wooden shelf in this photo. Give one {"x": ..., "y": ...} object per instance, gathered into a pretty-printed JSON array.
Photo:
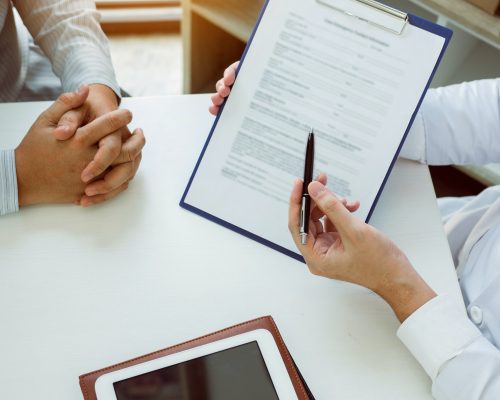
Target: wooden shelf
[
  {"x": 214, "y": 34},
  {"x": 156, "y": 14},
  {"x": 139, "y": 16},
  {"x": 236, "y": 17},
  {"x": 136, "y": 3}
]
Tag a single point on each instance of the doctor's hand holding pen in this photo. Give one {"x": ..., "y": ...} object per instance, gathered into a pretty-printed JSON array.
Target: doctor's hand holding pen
[{"x": 343, "y": 247}]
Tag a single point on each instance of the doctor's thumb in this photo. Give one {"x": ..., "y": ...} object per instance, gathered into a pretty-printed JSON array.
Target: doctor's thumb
[{"x": 332, "y": 206}]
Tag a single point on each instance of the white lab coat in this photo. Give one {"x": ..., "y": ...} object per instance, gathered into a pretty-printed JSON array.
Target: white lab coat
[{"x": 460, "y": 124}]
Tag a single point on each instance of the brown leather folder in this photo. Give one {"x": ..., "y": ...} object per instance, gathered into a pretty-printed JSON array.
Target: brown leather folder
[{"x": 87, "y": 381}]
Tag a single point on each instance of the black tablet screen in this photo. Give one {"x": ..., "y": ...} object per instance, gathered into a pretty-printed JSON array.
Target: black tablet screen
[{"x": 234, "y": 374}]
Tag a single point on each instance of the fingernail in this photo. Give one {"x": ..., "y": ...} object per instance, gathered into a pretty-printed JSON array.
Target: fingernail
[
  {"x": 87, "y": 176},
  {"x": 316, "y": 188},
  {"x": 85, "y": 203},
  {"x": 62, "y": 128},
  {"x": 91, "y": 192}
]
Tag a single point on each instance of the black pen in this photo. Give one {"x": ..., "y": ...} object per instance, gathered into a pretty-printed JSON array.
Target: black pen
[{"x": 305, "y": 208}]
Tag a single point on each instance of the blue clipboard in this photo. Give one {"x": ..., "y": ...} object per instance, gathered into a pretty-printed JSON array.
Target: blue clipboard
[{"x": 412, "y": 20}]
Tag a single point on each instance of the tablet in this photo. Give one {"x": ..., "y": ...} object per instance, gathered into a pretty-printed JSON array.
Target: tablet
[{"x": 247, "y": 366}]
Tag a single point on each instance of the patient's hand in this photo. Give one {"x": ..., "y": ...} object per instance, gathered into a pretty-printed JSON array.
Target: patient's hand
[
  {"x": 223, "y": 88},
  {"x": 109, "y": 163},
  {"x": 49, "y": 171}
]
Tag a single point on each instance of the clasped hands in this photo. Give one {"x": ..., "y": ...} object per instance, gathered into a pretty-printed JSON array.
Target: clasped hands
[{"x": 78, "y": 151}]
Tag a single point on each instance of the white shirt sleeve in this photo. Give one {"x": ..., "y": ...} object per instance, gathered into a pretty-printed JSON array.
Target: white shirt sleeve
[
  {"x": 462, "y": 363},
  {"x": 8, "y": 183},
  {"x": 458, "y": 124},
  {"x": 414, "y": 147},
  {"x": 70, "y": 35}
]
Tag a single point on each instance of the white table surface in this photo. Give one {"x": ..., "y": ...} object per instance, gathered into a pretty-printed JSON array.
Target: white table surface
[{"x": 81, "y": 289}]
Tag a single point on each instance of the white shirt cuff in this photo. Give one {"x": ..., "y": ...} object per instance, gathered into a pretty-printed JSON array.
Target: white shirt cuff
[
  {"x": 414, "y": 146},
  {"x": 8, "y": 183},
  {"x": 437, "y": 332}
]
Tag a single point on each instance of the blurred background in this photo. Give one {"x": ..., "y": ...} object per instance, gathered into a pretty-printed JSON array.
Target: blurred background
[
  {"x": 169, "y": 47},
  {"x": 146, "y": 44}
]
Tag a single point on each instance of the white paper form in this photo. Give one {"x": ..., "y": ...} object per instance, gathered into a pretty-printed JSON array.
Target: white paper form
[{"x": 310, "y": 66}]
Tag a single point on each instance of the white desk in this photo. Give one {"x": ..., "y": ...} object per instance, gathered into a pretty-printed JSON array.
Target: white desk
[{"x": 84, "y": 288}]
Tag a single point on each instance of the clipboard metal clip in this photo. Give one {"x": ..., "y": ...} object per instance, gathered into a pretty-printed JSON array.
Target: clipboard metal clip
[{"x": 380, "y": 15}]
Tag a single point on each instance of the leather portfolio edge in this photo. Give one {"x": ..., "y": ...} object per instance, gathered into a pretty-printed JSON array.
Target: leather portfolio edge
[{"x": 87, "y": 381}]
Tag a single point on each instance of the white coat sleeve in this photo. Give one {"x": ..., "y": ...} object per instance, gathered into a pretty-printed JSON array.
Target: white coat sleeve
[
  {"x": 462, "y": 364},
  {"x": 458, "y": 124}
]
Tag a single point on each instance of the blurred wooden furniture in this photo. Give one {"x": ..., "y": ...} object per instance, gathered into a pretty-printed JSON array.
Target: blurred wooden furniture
[
  {"x": 139, "y": 16},
  {"x": 214, "y": 35}
]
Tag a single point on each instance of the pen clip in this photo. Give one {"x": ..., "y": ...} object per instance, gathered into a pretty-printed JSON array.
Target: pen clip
[{"x": 303, "y": 216}]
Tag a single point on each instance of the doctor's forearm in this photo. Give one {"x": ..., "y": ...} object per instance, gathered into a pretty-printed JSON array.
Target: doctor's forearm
[{"x": 405, "y": 291}]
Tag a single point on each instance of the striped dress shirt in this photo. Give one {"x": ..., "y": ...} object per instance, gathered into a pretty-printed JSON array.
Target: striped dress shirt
[{"x": 69, "y": 34}]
